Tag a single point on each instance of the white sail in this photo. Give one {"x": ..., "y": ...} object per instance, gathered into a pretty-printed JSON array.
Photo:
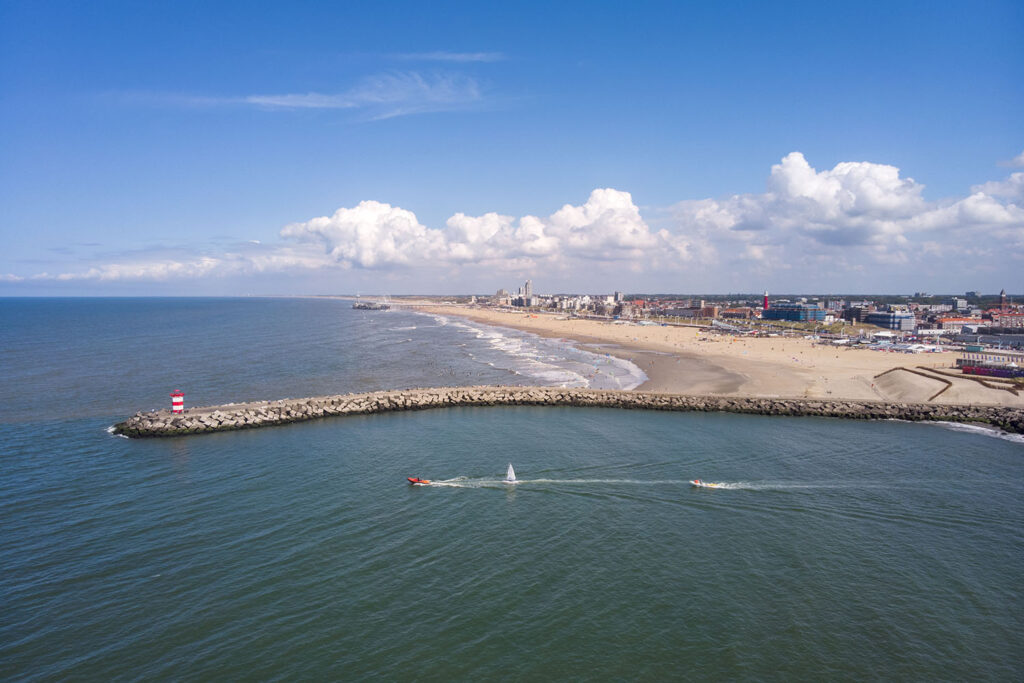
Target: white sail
[{"x": 510, "y": 475}]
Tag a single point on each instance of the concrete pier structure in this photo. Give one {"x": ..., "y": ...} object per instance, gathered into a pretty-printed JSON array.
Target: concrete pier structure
[{"x": 267, "y": 413}]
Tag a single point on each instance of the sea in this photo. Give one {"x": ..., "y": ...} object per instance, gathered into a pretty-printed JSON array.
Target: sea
[{"x": 832, "y": 550}]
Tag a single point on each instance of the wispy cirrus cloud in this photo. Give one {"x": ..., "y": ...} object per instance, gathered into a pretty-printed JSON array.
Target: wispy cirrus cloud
[
  {"x": 382, "y": 96},
  {"x": 446, "y": 56},
  {"x": 181, "y": 263},
  {"x": 386, "y": 95}
]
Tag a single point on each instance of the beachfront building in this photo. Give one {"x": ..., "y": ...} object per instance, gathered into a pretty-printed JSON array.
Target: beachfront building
[
  {"x": 525, "y": 296},
  {"x": 798, "y": 312},
  {"x": 627, "y": 310},
  {"x": 740, "y": 312},
  {"x": 855, "y": 314},
  {"x": 957, "y": 324},
  {"x": 701, "y": 311},
  {"x": 992, "y": 363},
  {"x": 1000, "y": 319},
  {"x": 893, "y": 319}
]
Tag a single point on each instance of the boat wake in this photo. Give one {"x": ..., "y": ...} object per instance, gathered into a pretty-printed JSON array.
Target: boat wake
[
  {"x": 787, "y": 486},
  {"x": 476, "y": 483},
  {"x": 473, "y": 483}
]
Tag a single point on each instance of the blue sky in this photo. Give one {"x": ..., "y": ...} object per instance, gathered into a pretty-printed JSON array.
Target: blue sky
[{"x": 456, "y": 147}]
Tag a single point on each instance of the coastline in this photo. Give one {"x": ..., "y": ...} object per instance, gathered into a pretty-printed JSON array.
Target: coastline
[
  {"x": 666, "y": 371},
  {"x": 693, "y": 361},
  {"x": 673, "y": 372}
]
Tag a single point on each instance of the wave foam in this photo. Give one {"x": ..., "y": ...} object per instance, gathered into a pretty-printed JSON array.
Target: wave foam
[
  {"x": 551, "y": 362},
  {"x": 981, "y": 429},
  {"x": 110, "y": 430}
]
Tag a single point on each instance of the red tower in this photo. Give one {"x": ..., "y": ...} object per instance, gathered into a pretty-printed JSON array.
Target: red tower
[
  {"x": 177, "y": 402},
  {"x": 766, "y": 299}
]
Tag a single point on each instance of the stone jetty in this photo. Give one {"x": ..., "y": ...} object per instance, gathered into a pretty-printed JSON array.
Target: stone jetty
[{"x": 267, "y": 413}]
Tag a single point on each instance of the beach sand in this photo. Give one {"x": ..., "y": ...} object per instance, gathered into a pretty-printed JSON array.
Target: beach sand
[{"x": 690, "y": 360}]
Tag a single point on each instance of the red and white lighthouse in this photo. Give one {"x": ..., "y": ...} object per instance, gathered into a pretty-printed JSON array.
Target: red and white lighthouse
[
  {"x": 178, "y": 402},
  {"x": 766, "y": 299}
]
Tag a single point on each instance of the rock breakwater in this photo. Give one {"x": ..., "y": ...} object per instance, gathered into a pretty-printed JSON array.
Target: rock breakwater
[{"x": 267, "y": 413}]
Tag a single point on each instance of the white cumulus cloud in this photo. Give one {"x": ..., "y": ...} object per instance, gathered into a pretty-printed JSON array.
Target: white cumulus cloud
[
  {"x": 856, "y": 218},
  {"x": 1011, "y": 188},
  {"x": 371, "y": 235},
  {"x": 608, "y": 227},
  {"x": 855, "y": 214}
]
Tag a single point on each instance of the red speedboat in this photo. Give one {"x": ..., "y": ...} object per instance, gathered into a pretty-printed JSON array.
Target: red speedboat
[{"x": 416, "y": 481}]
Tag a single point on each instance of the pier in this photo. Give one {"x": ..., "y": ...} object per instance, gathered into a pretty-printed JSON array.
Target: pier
[{"x": 203, "y": 420}]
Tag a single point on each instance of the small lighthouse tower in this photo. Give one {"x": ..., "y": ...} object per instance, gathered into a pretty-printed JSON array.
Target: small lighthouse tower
[
  {"x": 178, "y": 402},
  {"x": 766, "y": 299}
]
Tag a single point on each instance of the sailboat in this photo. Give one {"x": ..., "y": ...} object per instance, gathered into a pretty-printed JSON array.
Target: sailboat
[{"x": 510, "y": 475}]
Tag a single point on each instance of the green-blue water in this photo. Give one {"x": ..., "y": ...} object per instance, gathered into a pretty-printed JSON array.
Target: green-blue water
[{"x": 840, "y": 550}]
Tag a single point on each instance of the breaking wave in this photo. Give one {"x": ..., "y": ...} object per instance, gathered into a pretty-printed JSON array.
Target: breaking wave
[
  {"x": 550, "y": 362},
  {"x": 980, "y": 429}
]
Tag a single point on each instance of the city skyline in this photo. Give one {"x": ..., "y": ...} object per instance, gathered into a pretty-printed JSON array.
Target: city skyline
[{"x": 452, "y": 149}]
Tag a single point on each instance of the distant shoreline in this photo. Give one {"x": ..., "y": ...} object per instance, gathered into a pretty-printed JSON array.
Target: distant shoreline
[{"x": 687, "y": 360}]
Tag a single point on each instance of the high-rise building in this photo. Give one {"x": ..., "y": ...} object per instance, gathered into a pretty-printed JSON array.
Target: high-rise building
[{"x": 528, "y": 289}]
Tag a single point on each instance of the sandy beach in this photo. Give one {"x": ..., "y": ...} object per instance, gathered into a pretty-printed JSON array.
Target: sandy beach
[{"x": 690, "y": 360}]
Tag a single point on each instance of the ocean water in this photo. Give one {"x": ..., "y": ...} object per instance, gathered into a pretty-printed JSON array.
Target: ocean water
[
  {"x": 834, "y": 550},
  {"x": 105, "y": 356}
]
